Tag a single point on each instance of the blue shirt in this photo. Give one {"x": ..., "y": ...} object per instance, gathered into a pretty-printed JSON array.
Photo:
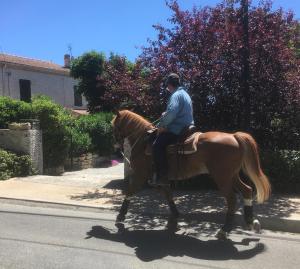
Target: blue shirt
[{"x": 179, "y": 113}]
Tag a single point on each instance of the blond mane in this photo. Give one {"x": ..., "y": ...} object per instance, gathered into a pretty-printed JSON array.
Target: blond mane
[{"x": 132, "y": 121}]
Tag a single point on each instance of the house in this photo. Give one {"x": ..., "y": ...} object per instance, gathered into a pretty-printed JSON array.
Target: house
[{"x": 21, "y": 78}]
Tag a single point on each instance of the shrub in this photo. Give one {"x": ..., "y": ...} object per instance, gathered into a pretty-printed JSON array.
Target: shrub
[
  {"x": 13, "y": 110},
  {"x": 99, "y": 128},
  {"x": 80, "y": 142},
  {"x": 12, "y": 165},
  {"x": 54, "y": 122},
  {"x": 63, "y": 134},
  {"x": 283, "y": 169}
]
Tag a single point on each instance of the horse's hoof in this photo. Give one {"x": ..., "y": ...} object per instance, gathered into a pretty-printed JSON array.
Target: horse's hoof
[
  {"x": 172, "y": 228},
  {"x": 121, "y": 227},
  {"x": 221, "y": 235},
  {"x": 249, "y": 227},
  {"x": 120, "y": 218},
  {"x": 256, "y": 226},
  {"x": 172, "y": 225}
]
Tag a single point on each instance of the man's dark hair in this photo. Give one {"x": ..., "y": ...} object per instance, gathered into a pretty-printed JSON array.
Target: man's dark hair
[{"x": 173, "y": 79}]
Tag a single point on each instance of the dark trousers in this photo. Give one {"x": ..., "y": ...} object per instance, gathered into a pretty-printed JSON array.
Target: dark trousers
[{"x": 159, "y": 148}]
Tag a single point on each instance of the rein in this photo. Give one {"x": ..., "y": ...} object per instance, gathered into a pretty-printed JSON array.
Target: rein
[{"x": 136, "y": 141}]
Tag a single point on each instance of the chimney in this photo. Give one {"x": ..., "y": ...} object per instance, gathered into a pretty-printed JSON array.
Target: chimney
[{"x": 67, "y": 61}]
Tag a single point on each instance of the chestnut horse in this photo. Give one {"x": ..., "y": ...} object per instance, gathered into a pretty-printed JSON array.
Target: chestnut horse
[{"x": 223, "y": 155}]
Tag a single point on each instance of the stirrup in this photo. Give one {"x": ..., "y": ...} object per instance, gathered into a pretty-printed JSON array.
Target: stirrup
[
  {"x": 158, "y": 184},
  {"x": 154, "y": 183}
]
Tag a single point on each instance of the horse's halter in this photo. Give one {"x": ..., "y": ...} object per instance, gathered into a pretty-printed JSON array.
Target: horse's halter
[{"x": 120, "y": 138}]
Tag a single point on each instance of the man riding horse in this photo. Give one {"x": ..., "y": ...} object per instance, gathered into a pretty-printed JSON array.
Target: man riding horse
[
  {"x": 177, "y": 117},
  {"x": 222, "y": 155}
]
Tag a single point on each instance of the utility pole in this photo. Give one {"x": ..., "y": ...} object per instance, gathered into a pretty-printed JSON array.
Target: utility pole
[{"x": 245, "y": 75}]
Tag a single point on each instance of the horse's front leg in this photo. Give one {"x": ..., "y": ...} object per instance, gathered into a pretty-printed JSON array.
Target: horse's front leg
[
  {"x": 122, "y": 214},
  {"x": 173, "y": 218}
]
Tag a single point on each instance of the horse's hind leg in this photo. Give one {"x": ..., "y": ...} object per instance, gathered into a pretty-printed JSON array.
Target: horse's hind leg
[
  {"x": 224, "y": 178},
  {"x": 246, "y": 192},
  {"x": 229, "y": 220}
]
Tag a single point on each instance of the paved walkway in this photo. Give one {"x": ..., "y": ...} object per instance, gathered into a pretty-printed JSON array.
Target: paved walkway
[
  {"x": 85, "y": 188},
  {"x": 101, "y": 188}
]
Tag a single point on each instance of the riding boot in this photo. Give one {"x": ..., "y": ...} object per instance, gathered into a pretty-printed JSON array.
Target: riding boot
[{"x": 160, "y": 178}]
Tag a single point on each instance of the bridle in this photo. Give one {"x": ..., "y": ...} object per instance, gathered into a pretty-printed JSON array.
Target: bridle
[{"x": 120, "y": 139}]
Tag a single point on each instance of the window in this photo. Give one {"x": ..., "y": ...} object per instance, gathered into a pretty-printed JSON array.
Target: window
[
  {"x": 25, "y": 90},
  {"x": 77, "y": 97}
]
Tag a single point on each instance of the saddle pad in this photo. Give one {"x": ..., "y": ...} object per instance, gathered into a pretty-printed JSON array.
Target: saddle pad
[{"x": 188, "y": 147}]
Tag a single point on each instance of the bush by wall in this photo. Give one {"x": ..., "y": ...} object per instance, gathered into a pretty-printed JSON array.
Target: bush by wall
[
  {"x": 63, "y": 135},
  {"x": 13, "y": 110},
  {"x": 12, "y": 165},
  {"x": 80, "y": 142},
  {"x": 54, "y": 122},
  {"x": 283, "y": 169},
  {"x": 98, "y": 126}
]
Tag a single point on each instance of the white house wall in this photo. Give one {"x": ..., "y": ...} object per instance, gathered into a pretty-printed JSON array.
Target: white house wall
[{"x": 59, "y": 87}]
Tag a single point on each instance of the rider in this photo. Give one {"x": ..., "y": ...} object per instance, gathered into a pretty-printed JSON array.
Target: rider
[{"x": 178, "y": 115}]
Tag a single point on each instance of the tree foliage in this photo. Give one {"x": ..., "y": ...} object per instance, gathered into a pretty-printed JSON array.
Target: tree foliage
[
  {"x": 204, "y": 46},
  {"x": 87, "y": 69},
  {"x": 126, "y": 85}
]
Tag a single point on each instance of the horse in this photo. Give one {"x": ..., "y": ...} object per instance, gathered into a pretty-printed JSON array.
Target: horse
[{"x": 222, "y": 155}]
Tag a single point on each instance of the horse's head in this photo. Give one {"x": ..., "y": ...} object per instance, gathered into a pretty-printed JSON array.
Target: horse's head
[
  {"x": 127, "y": 124},
  {"x": 118, "y": 130}
]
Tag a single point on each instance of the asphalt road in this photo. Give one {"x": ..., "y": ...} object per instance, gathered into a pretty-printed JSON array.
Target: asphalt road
[{"x": 37, "y": 237}]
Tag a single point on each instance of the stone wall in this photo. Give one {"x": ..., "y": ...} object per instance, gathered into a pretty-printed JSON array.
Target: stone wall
[
  {"x": 85, "y": 161},
  {"x": 24, "y": 142}
]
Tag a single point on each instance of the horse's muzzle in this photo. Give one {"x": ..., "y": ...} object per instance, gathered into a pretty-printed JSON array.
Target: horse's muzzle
[{"x": 117, "y": 146}]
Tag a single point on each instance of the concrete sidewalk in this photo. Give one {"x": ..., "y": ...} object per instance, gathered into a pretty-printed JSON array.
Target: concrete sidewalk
[{"x": 100, "y": 188}]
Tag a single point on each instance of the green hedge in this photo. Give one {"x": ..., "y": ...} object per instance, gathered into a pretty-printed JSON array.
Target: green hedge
[
  {"x": 63, "y": 134},
  {"x": 283, "y": 169},
  {"x": 12, "y": 165},
  {"x": 54, "y": 122},
  {"x": 13, "y": 110},
  {"x": 98, "y": 127},
  {"x": 80, "y": 142}
]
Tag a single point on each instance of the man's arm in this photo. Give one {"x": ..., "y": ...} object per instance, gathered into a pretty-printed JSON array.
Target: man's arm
[{"x": 171, "y": 112}]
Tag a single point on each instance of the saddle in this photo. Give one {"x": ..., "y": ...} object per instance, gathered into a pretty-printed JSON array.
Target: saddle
[{"x": 187, "y": 141}]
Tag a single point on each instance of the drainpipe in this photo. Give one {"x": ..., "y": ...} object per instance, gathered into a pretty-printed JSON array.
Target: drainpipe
[
  {"x": 8, "y": 82},
  {"x": 2, "y": 78},
  {"x": 64, "y": 87}
]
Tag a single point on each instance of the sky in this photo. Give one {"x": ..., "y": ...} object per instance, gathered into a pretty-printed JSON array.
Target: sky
[{"x": 45, "y": 29}]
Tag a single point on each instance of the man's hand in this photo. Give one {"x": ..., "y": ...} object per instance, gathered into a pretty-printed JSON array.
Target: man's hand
[{"x": 161, "y": 130}]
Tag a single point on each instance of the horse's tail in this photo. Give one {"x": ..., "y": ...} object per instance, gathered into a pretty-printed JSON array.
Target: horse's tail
[{"x": 251, "y": 166}]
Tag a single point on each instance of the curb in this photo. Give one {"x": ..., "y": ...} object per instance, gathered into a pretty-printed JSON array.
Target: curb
[
  {"x": 35, "y": 203},
  {"x": 268, "y": 223},
  {"x": 280, "y": 224}
]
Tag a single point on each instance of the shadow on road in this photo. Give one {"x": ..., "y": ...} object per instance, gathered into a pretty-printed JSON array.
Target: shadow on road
[
  {"x": 151, "y": 201},
  {"x": 151, "y": 245}
]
